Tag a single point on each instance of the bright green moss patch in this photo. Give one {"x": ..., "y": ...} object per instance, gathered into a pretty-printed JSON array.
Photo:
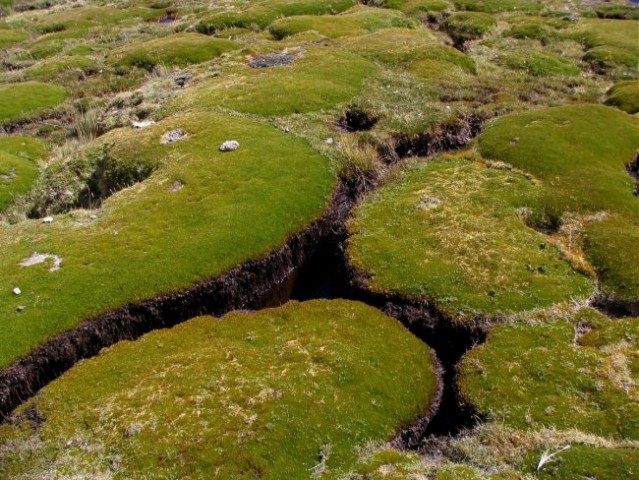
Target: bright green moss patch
[
  {"x": 11, "y": 37},
  {"x": 581, "y": 461},
  {"x": 356, "y": 22},
  {"x": 449, "y": 232},
  {"x": 322, "y": 78},
  {"x": 208, "y": 210},
  {"x": 624, "y": 95},
  {"x": 84, "y": 18},
  {"x": 276, "y": 392},
  {"x": 260, "y": 13},
  {"x": 533, "y": 376},
  {"x": 611, "y": 246},
  {"x": 18, "y": 166},
  {"x": 539, "y": 64},
  {"x": 441, "y": 62},
  {"x": 496, "y": 6},
  {"x": 61, "y": 65},
  {"x": 415, "y": 6},
  {"x": 23, "y": 100},
  {"x": 466, "y": 26},
  {"x": 579, "y": 152},
  {"x": 178, "y": 50}
]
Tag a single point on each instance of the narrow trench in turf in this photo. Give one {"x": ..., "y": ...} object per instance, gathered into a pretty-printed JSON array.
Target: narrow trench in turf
[{"x": 324, "y": 276}]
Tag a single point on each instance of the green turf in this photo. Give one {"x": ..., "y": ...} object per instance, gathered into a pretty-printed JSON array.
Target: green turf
[
  {"x": 232, "y": 207},
  {"x": 625, "y": 96},
  {"x": 581, "y": 461},
  {"x": 497, "y": 6},
  {"x": 28, "y": 99},
  {"x": 262, "y": 394},
  {"x": 449, "y": 232},
  {"x": 466, "y": 26},
  {"x": 354, "y": 22},
  {"x": 579, "y": 153},
  {"x": 322, "y": 78},
  {"x": 178, "y": 50},
  {"x": 539, "y": 64},
  {"x": 534, "y": 376},
  {"x": 260, "y": 13},
  {"x": 11, "y": 37},
  {"x": 18, "y": 166},
  {"x": 415, "y": 7}
]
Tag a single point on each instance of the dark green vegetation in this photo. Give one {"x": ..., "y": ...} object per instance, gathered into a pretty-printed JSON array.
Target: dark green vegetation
[
  {"x": 451, "y": 232},
  {"x": 514, "y": 235},
  {"x": 533, "y": 376},
  {"x": 283, "y": 392},
  {"x": 211, "y": 210}
]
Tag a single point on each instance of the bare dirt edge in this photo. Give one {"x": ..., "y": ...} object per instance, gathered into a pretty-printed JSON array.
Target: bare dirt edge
[{"x": 251, "y": 285}]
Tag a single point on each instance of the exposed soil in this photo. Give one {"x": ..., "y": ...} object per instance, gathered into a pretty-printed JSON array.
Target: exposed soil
[{"x": 633, "y": 171}]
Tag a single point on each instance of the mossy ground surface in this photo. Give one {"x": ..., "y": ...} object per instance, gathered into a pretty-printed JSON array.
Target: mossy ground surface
[
  {"x": 269, "y": 394},
  {"x": 531, "y": 376},
  {"x": 449, "y": 231},
  {"x": 568, "y": 173},
  {"x": 625, "y": 96},
  {"x": 28, "y": 99},
  {"x": 208, "y": 210}
]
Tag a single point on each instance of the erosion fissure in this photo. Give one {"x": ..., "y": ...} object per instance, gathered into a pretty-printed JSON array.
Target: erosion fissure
[{"x": 312, "y": 264}]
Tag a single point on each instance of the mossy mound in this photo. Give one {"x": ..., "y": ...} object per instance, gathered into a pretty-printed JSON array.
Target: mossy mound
[
  {"x": 619, "y": 12},
  {"x": 323, "y": 78},
  {"x": 391, "y": 46},
  {"x": 415, "y": 7},
  {"x": 534, "y": 376},
  {"x": 612, "y": 46},
  {"x": 539, "y": 64},
  {"x": 624, "y": 95},
  {"x": 579, "y": 152},
  {"x": 260, "y": 13},
  {"x": 279, "y": 394},
  {"x": 88, "y": 17},
  {"x": 178, "y": 50},
  {"x": 356, "y": 22},
  {"x": 449, "y": 232},
  {"x": 18, "y": 166},
  {"x": 11, "y": 37},
  {"x": 466, "y": 26},
  {"x": 27, "y": 99},
  {"x": 441, "y": 62},
  {"x": 581, "y": 461},
  {"x": 209, "y": 210},
  {"x": 61, "y": 66},
  {"x": 611, "y": 246},
  {"x": 497, "y": 6}
]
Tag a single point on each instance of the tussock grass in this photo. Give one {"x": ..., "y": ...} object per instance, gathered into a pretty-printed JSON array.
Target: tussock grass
[{"x": 284, "y": 392}]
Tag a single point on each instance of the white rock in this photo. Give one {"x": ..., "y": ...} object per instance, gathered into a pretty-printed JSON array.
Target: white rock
[
  {"x": 48, "y": 219},
  {"x": 16, "y": 291},
  {"x": 143, "y": 124},
  {"x": 229, "y": 146},
  {"x": 20, "y": 308},
  {"x": 38, "y": 258},
  {"x": 329, "y": 141}
]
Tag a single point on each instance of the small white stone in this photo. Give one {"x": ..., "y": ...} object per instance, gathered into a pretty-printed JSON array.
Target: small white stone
[
  {"x": 143, "y": 124},
  {"x": 16, "y": 291},
  {"x": 93, "y": 217},
  {"x": 48, "y": 219},
  {"x": 229, "y": 146},
  {"x": 20, "y": 308},
  {"x": 329, "y": 141}
]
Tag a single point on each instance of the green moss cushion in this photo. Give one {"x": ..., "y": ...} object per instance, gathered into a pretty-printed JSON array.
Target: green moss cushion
[
  {"x": 277, "y": 394},
  {"x": 320, "y": 79},
  {"x": 26, "y": 99},
  {"x": 18, "y": 166},
  {"x": 534, "y": 376},
  {"x": 625, "y": 96},
  {"x": 206, "y": 210},
  {"x": 449, "y": 232}
]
